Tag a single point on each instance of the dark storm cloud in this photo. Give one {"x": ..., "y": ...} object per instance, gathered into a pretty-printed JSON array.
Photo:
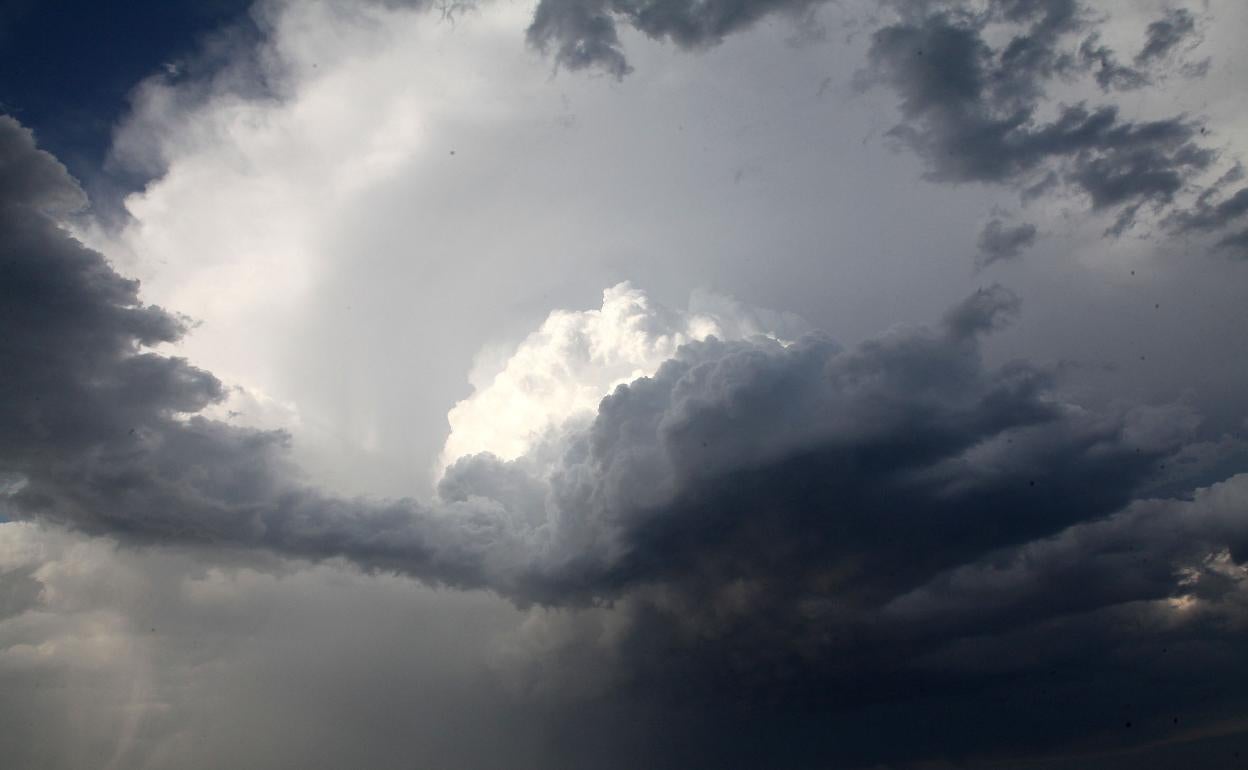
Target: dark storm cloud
[
  {"x": 970, "y": 110},
  {"x": 1211, "y": 217},
  {"x": 33, "y": 179},
  {"x": 1133, "y": 555},
  {"x": 583, "y": 33},
  {"x": 998, "y": 241},
  {"x": 875, "y": 466},
  {"x": 1226, "y": 214},
  {"x": 906, "y": 556},
  {"x": 894, "y": 532},
  {"x": 1166, "y": 33},
  {"x": 73, "y": 373},
  {"x": 908, "y": 435}
]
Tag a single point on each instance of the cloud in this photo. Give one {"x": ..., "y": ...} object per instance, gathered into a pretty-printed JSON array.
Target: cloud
[
  {"x": 1109, "y": 74},
  {"x": 1165, "y": 34},
  {"x": 974, "y": 82},
  {"x": 583, "y": 34},
  {"x": 792, "y": 524},
  {"x": 104, "y": 433},
  {"x": 968, "y": 592},
  {"x": 906, "y": 433},
  {"x": 170, "y": 657},
  {"x": 1236, "y": 242},
  {"x": 78, "y": 371},
  {"x": 971, "y": 110},
  {"x": 997, "y": 241},
  {"x": 997, "y": 662},
  {"x": 1209, "y": 217},
  {"x": 563, "y": 370},
  {"x": 33, "y": 178}
]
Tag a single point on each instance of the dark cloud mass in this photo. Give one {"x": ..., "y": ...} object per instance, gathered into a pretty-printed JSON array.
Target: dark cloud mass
[
  {"x": 1165, "y": 34},
  {"x": 1109, "y": 74},
  {"x": 906, "y": 555},
  {"x": 583, "y": 33},
  {"x": 971, "y": 110},
  {"x": 1227, "y": 213},
  {"x": 796, "y": 545},
  {"x": 998, "y": 241}
]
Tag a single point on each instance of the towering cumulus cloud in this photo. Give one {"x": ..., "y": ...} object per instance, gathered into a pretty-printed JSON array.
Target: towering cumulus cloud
[
  {"x": 561, "y": 371},
  {"x": 734, "y": 526}
]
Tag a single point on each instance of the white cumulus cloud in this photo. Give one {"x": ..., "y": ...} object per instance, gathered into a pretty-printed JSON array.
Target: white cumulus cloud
[{"x": 561, "y": 371}]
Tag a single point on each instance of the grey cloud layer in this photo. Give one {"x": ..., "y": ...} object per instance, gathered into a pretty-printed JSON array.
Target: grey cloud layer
[{"x": 971, "y": 110}]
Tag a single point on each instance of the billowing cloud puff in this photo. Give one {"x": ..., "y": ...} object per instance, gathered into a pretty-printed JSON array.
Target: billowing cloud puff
[{"x": 562, "y": 370}]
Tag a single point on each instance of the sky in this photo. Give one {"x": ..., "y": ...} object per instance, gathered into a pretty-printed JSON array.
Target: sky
[{"x": 609, "y": 384}]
